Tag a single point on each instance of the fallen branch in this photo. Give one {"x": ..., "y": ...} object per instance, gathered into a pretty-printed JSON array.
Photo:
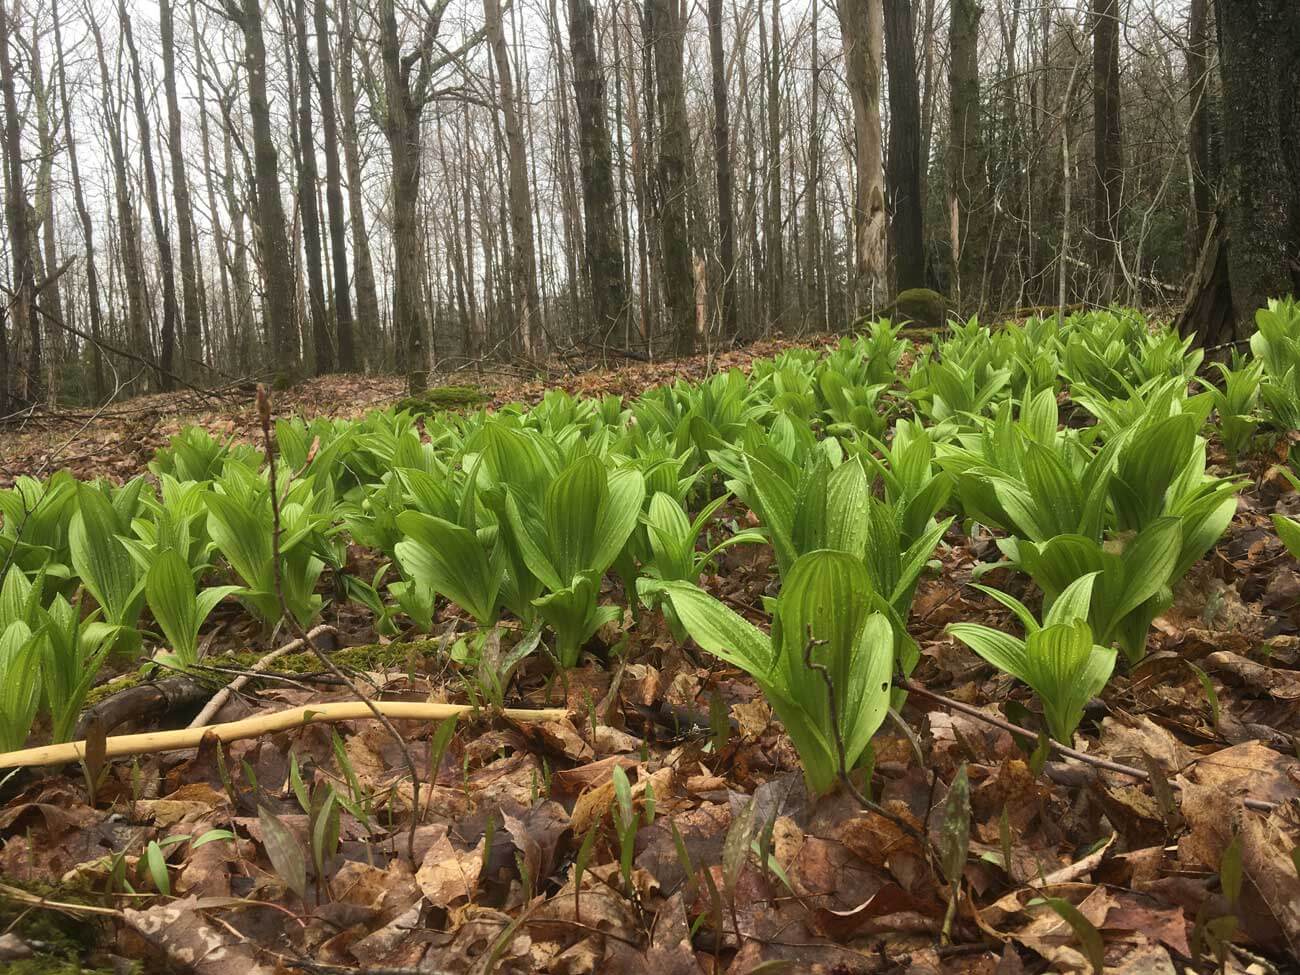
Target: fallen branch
[
  {"x": 222, "y": 696},
  {"x": 181, "y": 738},
  {"x": 912, "y": 687}
]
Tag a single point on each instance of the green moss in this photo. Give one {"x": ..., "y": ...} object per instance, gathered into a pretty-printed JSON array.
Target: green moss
[
  {"x": 441, "y": 398},
  {"x": 111, "y": 687},
  {"x": 377, "y": 656},
  {"x": 368, "y": 657},
  {"x": 63, "y": 939},
  {"x": 43, "y": 964},
  {"x": 922, "y": 306}
]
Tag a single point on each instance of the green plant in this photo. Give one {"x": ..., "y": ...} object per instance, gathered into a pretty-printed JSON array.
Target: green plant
[
  {"x": 106, "y": 568},
  {"x": 20, "y": 686},
  {"x": 1288, "y": 529},
  {"x": 34, "y": 517},
  {"x": 73, "y": 649},
  {"x": 241, "y": 525},
  {"x": 674, "y": 557},
  {"x": 627, "y": 822},
  {"x": 179, "y": 611},
  {"x": 1237, "y": 402},
  {"x": 1058, "y": 660},
  {"x": 827, "y": 614},
  {"x": 570, "y": 538}
]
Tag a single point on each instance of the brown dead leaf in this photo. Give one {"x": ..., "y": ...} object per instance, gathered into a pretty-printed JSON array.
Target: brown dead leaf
[
  {"x": 752, "y": 718},
  {"x": 184, "y": 936},
  {"x": 843, "y": 925},
  {"x": 447, "y": 875},
  {"x": 1282, "y": 685},
  {"x": 1168, "y": 925},
  {"x": 1050, "y": 935},
  {"x": 187, "y": 804},
  {"x": 573, "y": 781}
]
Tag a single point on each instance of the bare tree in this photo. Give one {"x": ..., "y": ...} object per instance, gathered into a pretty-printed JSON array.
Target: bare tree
[
  {"x": 604, "y": 247},
  {"x": 904, "y": 168},
  {"x": 334, "y": 191},
  {"x": 192, "y": 346},
  {"x": 667, "y": 30},
  {"x": 862, "y": 27}
]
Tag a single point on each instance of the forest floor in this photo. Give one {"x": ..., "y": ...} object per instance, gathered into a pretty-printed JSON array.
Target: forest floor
[{"x": 1151, "y": 868}]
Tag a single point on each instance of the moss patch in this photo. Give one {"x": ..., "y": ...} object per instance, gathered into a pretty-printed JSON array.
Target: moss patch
[
  {"x": 922, "y": 306},
  {"x": 377, "y": 656},
  {"x": 63, "y": 939},
  {"x": 441, "y": 398}
]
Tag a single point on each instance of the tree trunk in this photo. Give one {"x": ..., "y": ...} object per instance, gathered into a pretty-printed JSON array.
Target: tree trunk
[
  {"x": 523, "y": 257},
  {"x": 334, "y": 193},
  {"x": 50, "y": 297},
  {"x": 904, "y": 170},
  {"x": 774, "y": 231},
  {"x": 83, "y": 215},
  {"x": 1108, "y": 149},
  {"x": 1261, "y": 148},
  {"x": 722, "y": 168},
  {"x": 162, "y": 241},
  {"x": 128, "y": 235},
  {"x": 322, "y": 347},
  {"x": 603, "y": 243},
  {"x": 862, "y": 28},
  {"x": 815, "y": 271},
  {"x": 967, "y": 181},
  {"x": 1198, "y": 126},
  {"x": 22, "y": 306},
  {"x": 192, "y": 346},
  {"x": 668, "y": 32},
  {"x": 276, "y": 279}
]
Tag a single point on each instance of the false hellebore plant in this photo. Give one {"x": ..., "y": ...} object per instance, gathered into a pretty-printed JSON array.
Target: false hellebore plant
[
  {"x": 829, "y": 614},
  {"x": 1058, "y": 660}
]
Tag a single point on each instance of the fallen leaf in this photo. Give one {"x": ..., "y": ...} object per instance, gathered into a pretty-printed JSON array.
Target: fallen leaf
[{"x": 447, "y": 875}]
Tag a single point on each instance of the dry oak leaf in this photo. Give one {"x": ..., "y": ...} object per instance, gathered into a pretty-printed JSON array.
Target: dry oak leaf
[
  {"x": 180, "y": 932},
  {"x": 1211, "y": 794},
  {"x": 188, "y": 803},
  {"x": 447, "y": 875}
]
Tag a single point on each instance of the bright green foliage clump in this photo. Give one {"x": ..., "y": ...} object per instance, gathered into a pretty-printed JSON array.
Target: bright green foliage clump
[
  {"x": 829, "y": 614},
  {"x": 1082, "y": 442},
  {"x": 1058, "y": 659}
]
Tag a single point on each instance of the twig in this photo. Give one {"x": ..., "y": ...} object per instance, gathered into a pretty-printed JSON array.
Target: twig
[
  {"x": 146, "y": 742},
  {"x": 912, "y": 687},
  {"x": 222, "y": 696},
  {"x": 264, "y": 415}
]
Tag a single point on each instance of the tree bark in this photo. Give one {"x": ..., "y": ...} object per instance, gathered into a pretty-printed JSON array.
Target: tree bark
[
  {"x": 904, "y": 169},
  {"x": 23, "y": 303},
  {"x": 774, "y": 229},
  {"x": 862, "y": 28},
  {"x": 50, "y": 298},
  {"x": 603, "y": 243},
  {"x": 127, "y": 232},
  {"x": 1198, "y": 125},
  {"x": 166, "y": 265},
  {"x": 1261, "y": 142},
  {"x": 523, "y": 257},
  {"x": 83, "y": 215},
  {"x": 192, "y": 346},
  {"x": 322, "y": 347},
  {"x": 334, "y": 193},
  {"x": 967, "y": 182},
  {"x": 1108, "y": 149},
  {"x": 722, "y": 169},
  {"x": 278, "y": 294},
  {"x": 367, "y": 315},
  {"x": 669, "y": 31}
]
